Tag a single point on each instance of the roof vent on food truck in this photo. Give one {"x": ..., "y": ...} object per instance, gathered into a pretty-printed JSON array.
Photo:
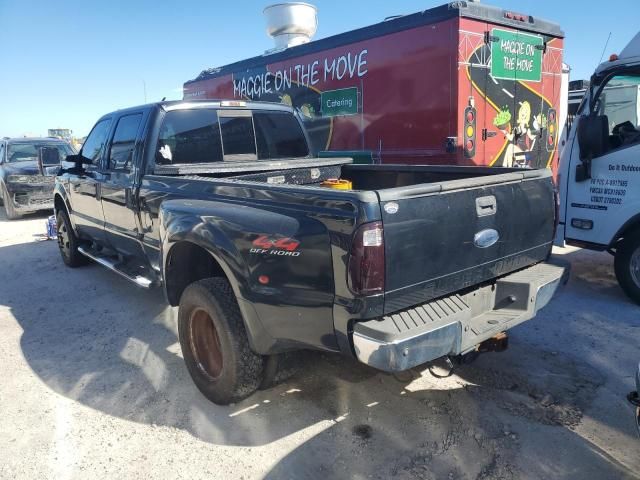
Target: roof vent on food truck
[{"x": 291, "y": 24}]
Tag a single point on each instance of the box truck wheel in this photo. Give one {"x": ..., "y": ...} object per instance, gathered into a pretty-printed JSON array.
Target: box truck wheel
[
  {"x": 627, "y": 265},
  {"x": 214, "y": 342}
]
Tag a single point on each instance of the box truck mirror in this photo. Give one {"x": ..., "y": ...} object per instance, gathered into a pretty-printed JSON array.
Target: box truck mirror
[
  {"x": 593, "y": 140},
  {"x": 593, "y": 136}
]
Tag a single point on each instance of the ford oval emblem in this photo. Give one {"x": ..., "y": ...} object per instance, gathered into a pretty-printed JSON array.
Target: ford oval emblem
[
  {"x": 486, "y": 238},
  {"x": 391, "y": 208}
]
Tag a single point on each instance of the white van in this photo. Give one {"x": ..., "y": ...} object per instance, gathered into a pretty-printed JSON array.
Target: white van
[{"x": 599, "y": 174}]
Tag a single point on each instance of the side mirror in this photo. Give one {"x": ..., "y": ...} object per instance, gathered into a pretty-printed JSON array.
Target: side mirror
[
  {"x": 593, "y": 142},
  {"x": 593, "y": 136},
  {"x": 78, "y": 159}
]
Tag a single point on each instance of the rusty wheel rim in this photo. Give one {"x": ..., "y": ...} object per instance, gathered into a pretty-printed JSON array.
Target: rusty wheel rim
[{"x": 205, "y": 344}]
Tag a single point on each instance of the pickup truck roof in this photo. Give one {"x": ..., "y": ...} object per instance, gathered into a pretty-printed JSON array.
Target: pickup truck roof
[
  {"x": 253, "y": 105},
  {"x": 170, "y": 105},
  {"x": 235, "y": 165}
]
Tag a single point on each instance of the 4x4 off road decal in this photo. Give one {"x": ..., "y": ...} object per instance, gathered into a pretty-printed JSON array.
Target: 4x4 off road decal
[{"x": 281, "y": 247}]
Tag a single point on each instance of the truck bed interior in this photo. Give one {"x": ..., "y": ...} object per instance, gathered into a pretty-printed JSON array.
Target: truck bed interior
[
  {"x": 363, "y": 177},
  {"x": 411, "y": 179},
  {"x": 380, "y": 177}
]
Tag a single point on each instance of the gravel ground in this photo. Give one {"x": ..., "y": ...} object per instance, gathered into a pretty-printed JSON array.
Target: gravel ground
[{"x": 93, "y": 386}]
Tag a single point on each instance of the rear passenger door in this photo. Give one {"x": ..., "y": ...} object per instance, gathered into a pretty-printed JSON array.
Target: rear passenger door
[
  {"x": 189, "y": 136},
  {"x": 118, "y": 192}
]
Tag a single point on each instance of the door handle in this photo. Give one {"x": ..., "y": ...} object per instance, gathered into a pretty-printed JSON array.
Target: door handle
[
  {"x": 145, "y": 216},
  {"x": 128, "y": 199},
  {"x": 486, "y": 206},
  {"x": 488, "y": 133}
]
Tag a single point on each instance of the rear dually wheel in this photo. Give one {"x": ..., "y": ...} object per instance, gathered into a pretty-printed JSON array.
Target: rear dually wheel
[{"x": 214, "y": 342}]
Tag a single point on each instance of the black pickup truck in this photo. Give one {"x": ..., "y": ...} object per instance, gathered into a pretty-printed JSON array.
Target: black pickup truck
[{"x": 223, "y": 204}]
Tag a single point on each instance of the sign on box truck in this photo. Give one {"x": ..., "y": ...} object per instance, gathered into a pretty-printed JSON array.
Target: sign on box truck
[{"x": 463, "y": 83}]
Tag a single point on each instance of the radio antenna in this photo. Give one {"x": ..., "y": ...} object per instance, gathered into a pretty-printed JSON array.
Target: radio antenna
[{"x": 605, "y": 48}]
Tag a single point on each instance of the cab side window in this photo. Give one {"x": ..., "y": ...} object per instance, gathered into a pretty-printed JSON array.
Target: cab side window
[
  {"x": 93, "y": 145},
  {"x": 278, "y": 135},
  {"x": 124, "y": 142},
  {"x": 1, "y": 152},
  {"x": 619, "y": 101}
]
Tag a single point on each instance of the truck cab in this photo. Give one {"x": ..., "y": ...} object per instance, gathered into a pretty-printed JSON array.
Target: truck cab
[{"x": 599, "y": 175}]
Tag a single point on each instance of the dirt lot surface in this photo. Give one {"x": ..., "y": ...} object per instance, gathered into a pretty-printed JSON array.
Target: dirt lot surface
[{"x": 93, "y": 386}]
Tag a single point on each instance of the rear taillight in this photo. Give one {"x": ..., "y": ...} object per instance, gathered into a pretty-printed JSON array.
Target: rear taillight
[{"x": 366, "y": 261}]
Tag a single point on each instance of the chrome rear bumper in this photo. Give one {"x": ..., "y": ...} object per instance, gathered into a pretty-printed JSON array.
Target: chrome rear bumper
[{"x": 456, "y": 324}]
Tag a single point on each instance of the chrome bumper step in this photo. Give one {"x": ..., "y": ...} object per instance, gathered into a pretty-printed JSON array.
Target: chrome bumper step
[{"x": 456, "y": 324}]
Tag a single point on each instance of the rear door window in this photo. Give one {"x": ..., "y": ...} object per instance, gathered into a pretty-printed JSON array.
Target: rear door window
[
  {"x": 189, "y": 136},
  {"x": 210, "y": 135},
  {"x": 124, "y": 142}
]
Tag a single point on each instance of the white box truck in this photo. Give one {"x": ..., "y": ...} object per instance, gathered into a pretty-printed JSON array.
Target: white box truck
[{"x": 599, "y": 174}]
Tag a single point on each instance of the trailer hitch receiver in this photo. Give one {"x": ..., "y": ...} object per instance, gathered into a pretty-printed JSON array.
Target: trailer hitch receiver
[{"x": 499, "y": 343}]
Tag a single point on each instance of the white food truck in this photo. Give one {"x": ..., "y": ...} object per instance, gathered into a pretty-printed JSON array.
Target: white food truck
[{"x": 599, "y": 174}]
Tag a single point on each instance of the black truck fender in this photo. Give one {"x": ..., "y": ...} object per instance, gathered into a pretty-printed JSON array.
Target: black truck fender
[
  {"x": 204, "y": 238},
  {"x": 186, "y": 236},
  {"x": 61, "y": 201}
]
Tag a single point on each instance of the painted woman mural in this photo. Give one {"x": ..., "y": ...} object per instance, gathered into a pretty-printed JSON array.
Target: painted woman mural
[{"x": 524, "y": 137}]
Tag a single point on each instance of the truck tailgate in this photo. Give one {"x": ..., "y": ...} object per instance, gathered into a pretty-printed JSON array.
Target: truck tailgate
[{"x": 443, "y": 237}]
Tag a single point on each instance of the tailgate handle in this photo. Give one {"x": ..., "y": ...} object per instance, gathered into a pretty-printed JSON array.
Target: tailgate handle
[{"x": 486, "y": 206}]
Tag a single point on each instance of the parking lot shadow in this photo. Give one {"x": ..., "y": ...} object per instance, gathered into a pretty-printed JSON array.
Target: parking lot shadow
[{"x": 92, "y": 337}]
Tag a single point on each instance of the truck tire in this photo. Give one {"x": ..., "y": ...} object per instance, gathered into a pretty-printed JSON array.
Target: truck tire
[
  {"x": 12, "y": 214},
  {"x": 68, "y": 242},
  {"x": 214, "y": 343},
  {"x": 280, "y": 368},
  {"x": 627, "y": 266}
]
